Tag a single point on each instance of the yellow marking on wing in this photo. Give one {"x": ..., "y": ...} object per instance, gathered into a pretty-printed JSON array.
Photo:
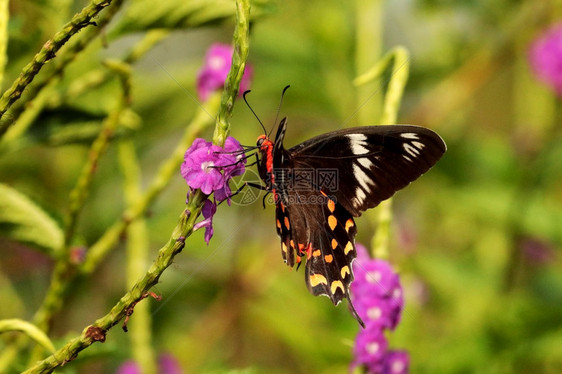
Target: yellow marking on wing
[
  {"x": 284, "y": 247},
  {"x": 316, "y": 253},
  {"x": 336, "y": 285},
  {"x": 316, "y": 279},
  {"x": 344, "y": 270},
  {"x": 348, "y": 248}
]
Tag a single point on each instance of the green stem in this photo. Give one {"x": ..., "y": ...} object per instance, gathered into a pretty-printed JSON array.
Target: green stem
[
  {"x": 368, "y": 49},
  {"x": 96, "y": 77},
  {"x": 137, "y": 259},
  {"x": 4, "y": 17},
  {"x": 97, "y": 331},
  {"x": 49, "y": 51},
  {"x": 43, "y": 94},
  {"x": 399, "y": 56},
  {"x": 11, "y": 98},
  {"x": 165, "y": 173},
  {"x": 64, "y": 270},
  {"x": 232, "y": 85}
]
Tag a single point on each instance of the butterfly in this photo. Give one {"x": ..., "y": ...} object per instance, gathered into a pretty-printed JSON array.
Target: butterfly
[{"x": 322, "y": 184}]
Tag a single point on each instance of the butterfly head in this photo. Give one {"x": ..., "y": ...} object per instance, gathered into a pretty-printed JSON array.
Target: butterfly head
[{"x": 264, "y": 144}]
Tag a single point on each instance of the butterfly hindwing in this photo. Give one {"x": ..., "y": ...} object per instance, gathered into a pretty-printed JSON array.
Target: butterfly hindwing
[{"x": 332, "y": 250}]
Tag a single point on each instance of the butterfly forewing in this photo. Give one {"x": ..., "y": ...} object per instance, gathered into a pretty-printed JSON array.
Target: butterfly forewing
[{"x": 372, "y": 162}]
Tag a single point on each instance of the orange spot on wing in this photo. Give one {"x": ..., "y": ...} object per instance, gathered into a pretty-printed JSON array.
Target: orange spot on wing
[
  {"x": 334, "y": 243},
  {"x": 328, "y": 258},
  {"x": 287, "y": 224},
  {"x": 349, "y": 224},
  {"x": 316, "y": 253},
  {"x": 332, "y": 222},
  {"x": 331, "y": 205}
]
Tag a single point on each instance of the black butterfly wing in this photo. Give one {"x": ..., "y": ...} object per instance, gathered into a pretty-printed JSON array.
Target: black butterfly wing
[
  {"x": 315, "y": 208},
  {"x": 371, "y": 162},
  {"x": 314, "y": 227}
]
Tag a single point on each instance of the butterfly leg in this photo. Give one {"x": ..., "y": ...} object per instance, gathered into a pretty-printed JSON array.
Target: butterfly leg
[{"x": 249, "y": 184}]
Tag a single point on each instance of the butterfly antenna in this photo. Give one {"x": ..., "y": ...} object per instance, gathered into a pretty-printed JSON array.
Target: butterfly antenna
[
  {"x": 279, "y": 108},
  {"x": 255, "y": 115}
]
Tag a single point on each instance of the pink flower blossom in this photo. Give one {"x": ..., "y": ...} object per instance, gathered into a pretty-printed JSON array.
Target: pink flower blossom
[{"x": 215, "y": 70}]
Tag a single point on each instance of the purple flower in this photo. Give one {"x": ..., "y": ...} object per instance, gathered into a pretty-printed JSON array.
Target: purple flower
[
  {"x": 199, "y": 167},
  {"x": 536, "y": 251},
  {"x": 128, "y": 367},
  {"x": 545, "y": 57},
  {"x": 396, "y": 306},
  {"x": 209, "y": 167},
  {"x": 234, "y": 161},
  {"x": 370, "y": 349},
  {"x": 379, "y": 300},
  {"x": 212, "y": 76},
  {"x": 375, "y": 312},
  {"x": 373, "y": 277},
  {"x": 167, "y": 364},
  {"x": 396, "y": 362},
  {"x": 209, "y": 209},
  {"x": 377, "y": 292}
]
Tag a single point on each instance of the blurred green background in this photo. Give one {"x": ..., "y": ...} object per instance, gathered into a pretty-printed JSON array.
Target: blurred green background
[{"x": 476, "y": 240}]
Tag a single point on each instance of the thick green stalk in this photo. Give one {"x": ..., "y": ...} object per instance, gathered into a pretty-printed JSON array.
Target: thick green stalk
[
  {"x": 368, "y": 49},
  {"x": 232, "y": 85},
  {"x": 399, "y": 57}
]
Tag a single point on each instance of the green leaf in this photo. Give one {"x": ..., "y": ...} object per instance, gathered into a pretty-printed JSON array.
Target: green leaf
[
  {"x": 29, "y": 329},
  {"x": 21, "y": 219},
  {"x": 143, "y": 15}
]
